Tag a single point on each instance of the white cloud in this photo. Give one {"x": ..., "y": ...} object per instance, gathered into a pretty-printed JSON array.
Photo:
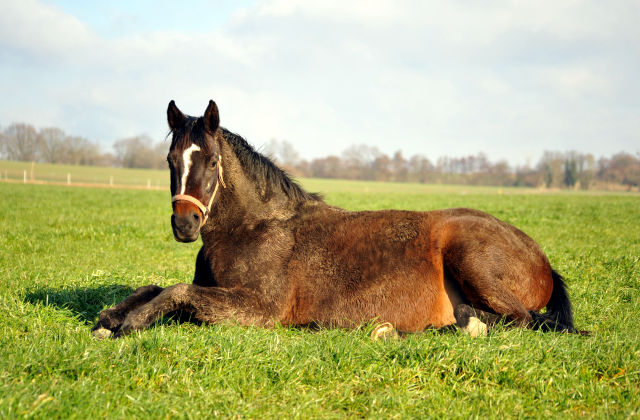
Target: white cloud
[
  {"x": 435, "y": 78},
  {"x": 43, "y": 34}
]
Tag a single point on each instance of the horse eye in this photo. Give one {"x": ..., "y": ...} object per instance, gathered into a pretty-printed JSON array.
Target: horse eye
[{"x": 213, "y": 164}]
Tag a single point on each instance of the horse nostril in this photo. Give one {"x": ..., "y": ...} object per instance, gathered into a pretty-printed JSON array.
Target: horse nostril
[{"x": 196, "y": 218}]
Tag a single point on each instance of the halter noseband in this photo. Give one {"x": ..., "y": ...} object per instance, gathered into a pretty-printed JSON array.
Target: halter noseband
[{"x": 204, "y": 209}]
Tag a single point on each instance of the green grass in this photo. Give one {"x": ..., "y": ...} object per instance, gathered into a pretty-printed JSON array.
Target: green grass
[
  {"x": 98, "y": 175},
  {"x": 68, "y": 253}
]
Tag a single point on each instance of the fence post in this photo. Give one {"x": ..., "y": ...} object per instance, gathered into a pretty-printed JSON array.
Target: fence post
[
  {"x": 111, "y": 181},
  {"x": 148, "y": 183},
  {"x": 68, "y": 178},
  {"x": 25, "y": 177}
]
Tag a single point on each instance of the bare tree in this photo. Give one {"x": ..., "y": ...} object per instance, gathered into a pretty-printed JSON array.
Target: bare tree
[
  {"x": 551, "y": 166},
  {"x": 282, "y": 152},
  {"x": 399, "y": 167},
  {"x": 622, "y": 168},
  {"x": 53, "y": 145},
  {"x": 20, "y": 142},
  {"x": 358, "y": 162},
  {"x": 421, "y": 169},
  {"x": 139, "y": 152}
]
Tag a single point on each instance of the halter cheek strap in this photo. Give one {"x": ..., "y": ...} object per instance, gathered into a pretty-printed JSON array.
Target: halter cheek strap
[{"x": 204, "y": 209}]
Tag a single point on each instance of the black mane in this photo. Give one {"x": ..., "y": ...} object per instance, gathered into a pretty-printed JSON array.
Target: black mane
[{"x": 264, "y": 171}]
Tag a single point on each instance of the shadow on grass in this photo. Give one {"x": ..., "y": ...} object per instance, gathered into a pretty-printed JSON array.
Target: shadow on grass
[{"x": 85, "y": 303}]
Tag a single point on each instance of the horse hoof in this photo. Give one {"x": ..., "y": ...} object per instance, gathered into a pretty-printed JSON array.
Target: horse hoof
[
  {"x": 384, "y": 331},
  {"x": 468, "y": 322},
  {"x": 101, "y": 333},
  {"x": 475, "y": 327}
]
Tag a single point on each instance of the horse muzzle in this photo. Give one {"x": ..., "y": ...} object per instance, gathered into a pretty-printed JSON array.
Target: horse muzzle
[{"x": 186, "y": 221}]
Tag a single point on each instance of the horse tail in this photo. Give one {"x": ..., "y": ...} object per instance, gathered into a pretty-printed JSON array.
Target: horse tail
[{"x": 559, "y": 315}]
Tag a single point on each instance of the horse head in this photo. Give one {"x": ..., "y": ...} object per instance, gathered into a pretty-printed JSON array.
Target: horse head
[{"x": 196, "y": 169}]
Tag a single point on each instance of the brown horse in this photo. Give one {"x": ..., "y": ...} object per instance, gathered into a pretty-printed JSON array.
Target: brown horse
[{"x": 273, "y": 253}]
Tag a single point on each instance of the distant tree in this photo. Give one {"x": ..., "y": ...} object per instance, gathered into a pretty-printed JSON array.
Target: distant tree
[
  {"x": 399, "y": 167},
  {"x": 282, "y": 152},
  {"x": 53, "y": 145},
  {"x": 162, "y": 150},
  {"x": 20, "y": 142},
  {"x": 570, "y": 172},
  {"x": 328, "y": 167},
  {"x": 81, "y": 151},
  {"x": 288, "y": 154},
  {"x": 381, "y": 168},
  {"x": 585, "y": 169},
  {"x": 527, "y": 177},
  {"x": 139, "y": 152},
  {"x": 551, "y": 166},
  {"x": 622, "y": 168},
  {"x": 420, "y": 169},
  {"x": 358, "y": 162}
]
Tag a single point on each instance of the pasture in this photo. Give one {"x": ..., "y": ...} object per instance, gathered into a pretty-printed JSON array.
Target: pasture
[
  {"x": 68, "y": 253},
  {"x": 82, "y": 175}
]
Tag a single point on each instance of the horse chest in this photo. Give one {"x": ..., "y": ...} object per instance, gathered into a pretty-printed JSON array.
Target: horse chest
[{"x": 249, "y": 256}]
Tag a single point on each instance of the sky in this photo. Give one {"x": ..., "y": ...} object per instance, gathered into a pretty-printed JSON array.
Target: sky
[{"x": 507, "y": 78}]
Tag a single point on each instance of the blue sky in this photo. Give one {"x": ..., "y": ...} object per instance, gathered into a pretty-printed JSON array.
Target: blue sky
[
  {"x": 120, "y": 18},
  {"x": 510, "y": 79}
]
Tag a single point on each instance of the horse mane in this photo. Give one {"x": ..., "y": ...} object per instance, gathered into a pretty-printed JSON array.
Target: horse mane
[
  {"x": 265, "y": 171},
  {"x": 191, "y": 132}
]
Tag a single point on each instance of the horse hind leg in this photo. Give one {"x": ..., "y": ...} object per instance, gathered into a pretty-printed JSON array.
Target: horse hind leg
[
  {"x": 110, "y": 320},
  {"x": 504, "y": 307},
  {"x": 486, "y": 280},
  {"x": 484, "y": 289}
]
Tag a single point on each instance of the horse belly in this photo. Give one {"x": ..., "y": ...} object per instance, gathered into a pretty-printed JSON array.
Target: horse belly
[
  {"x": 425, "y": 302},
  {"x": 410, "y": 301},
  {"x": 436, "y": 310}
]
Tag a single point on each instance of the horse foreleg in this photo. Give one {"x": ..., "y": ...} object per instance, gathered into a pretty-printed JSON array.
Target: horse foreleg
[
  {"x": 111, "y": 319},
  {"x": 204, "y": 304}
]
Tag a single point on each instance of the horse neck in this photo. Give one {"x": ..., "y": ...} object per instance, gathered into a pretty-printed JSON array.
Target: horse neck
[{"x": 244, "y": 200}]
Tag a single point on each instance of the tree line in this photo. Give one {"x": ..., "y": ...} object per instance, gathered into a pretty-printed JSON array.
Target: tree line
[
  {"x": 571, "y": 169},
  {"x": 554, "y": 170},
  {"x": 23, "y": 142}
]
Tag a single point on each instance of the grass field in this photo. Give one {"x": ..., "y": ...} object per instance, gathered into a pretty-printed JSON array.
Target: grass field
[
  {"x": 68, "y": 253},
  {"x": 80, "y": 174}
]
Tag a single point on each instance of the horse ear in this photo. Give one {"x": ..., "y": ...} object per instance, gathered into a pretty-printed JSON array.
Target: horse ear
[
  {"x": 174, "y": 116},
  {"x": 211, "y": 117}
]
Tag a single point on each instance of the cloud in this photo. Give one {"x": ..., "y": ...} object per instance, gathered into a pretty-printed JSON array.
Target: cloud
[
  {"x": 435, "y": 78},
  {"x": 39, "y": 34}
]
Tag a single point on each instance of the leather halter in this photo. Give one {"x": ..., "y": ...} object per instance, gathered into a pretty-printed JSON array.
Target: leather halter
[{"x": 205, "y": 210}]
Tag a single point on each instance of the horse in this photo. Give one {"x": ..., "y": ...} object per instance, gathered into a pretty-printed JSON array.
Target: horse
[{"x": 273, "y": 253}]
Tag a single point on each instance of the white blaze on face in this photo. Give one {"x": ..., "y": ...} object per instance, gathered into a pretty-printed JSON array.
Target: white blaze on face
[{"x": 186, "y": 160}]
